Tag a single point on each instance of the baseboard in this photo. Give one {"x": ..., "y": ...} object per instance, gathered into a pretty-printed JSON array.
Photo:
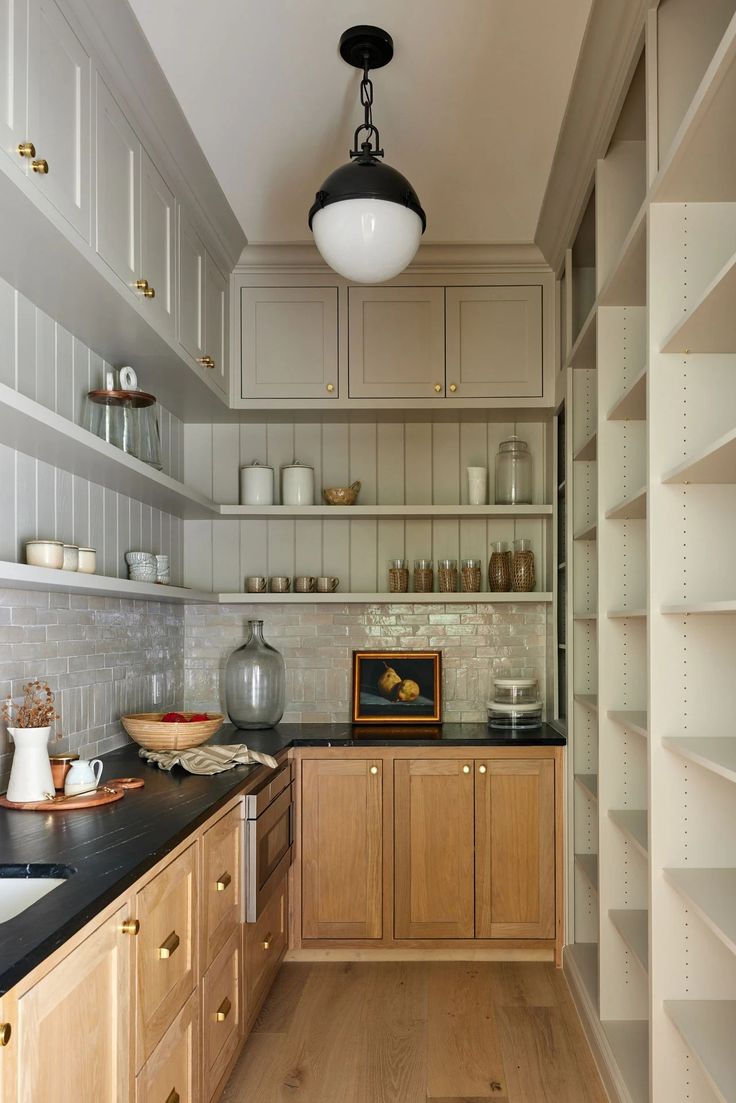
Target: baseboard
[{"x": 346, "y": 954}]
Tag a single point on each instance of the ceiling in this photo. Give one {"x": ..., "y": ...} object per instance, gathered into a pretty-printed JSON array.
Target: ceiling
[{"x": 470, "y": 109}]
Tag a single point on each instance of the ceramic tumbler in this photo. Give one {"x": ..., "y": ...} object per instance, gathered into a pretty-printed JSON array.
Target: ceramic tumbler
[{"x": 477, "y": 485}]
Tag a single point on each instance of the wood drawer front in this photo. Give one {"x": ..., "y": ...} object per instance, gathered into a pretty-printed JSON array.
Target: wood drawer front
[
  {"x": 259, "y": 800},
  {"x": 166, "y": 908},
  {"x": 172, "y": 1070},
  {"x": 265, "y": 945},
  {"x": 222, "y": 861},
  {"x": 221, "y": 1014}
]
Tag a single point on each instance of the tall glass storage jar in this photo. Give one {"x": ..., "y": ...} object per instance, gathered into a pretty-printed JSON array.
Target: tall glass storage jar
[
  {"x": 255, "y": 682},
  {"x": 513, "y": 473}
]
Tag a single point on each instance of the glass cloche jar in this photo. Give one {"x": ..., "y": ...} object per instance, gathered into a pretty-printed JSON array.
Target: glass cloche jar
[
  {"x": 513, "y": 473},
  {"x": 255, "y": 682}
]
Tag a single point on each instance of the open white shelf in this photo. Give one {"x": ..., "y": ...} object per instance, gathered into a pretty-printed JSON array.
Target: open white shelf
[
  {"x": 633, "y": 719},
  {"x": 625, "y": 614},
  {"x": 629, "y": 1042},
  {"x": 627, "y": 283},
  {"x": 587, "y": 532},
  {"x": 585, "y": 960},
  {"x": 587, "y": 450},
  {"x": 633, "y": 926},
  {"x": 588, "y": 866},
  {"x": 708, "y": 1028},
  {"x": 712, "y": 894},
  {"x": 714, "y": 464},
  {"x": 394, "y": 599},
  {"x": 585, "y": 616},
  {"x": 20, "y": 576},
  {"x": 589, "y": 784},
  {"x": 714, "y": 752},
  {"x": 632, "y": 508},
  {"x": 634, "y": 825},
  {"x": 352, "y": 512},
  {"x": 711, "y": 324},
  {"x": 589, "y": 700},
  {"x": 700, "y": 608},
  {"x": 632, "y": 405},
  {"x": 583, "y": 352}
]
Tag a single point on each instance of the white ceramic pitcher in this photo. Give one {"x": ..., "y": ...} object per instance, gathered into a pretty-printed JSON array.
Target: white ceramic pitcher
[
  {"x": 30, "y": 774},
  {"x": 83, "y": 777}
]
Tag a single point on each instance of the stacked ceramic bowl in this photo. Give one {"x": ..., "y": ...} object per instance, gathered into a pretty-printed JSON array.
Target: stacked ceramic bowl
[
  {"x": 141, "y": 566},
  {"x": 516, "y": 704}
]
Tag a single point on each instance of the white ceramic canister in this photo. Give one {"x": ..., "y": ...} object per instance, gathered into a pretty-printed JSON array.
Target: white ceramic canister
[
  {"x": 45, "y": 553},
  {"x": 256, "y": 484},
  {"x": 71, "y": 557},
  {"x": 87, "y": 561},
  {"x": 297, "y": 485}
]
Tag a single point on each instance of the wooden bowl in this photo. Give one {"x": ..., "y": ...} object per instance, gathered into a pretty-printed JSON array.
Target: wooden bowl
[
  {"x": 147, "y": 730},
  {"x": 341, "y": 495}
]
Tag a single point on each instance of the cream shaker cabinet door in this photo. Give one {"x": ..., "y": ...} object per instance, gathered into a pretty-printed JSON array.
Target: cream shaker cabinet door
[
  {"x": 191, "y": 289},
  {"x": 14, "y": 82},
  {"x": 494, "y": 342},
  {"x": 396, "y": 342},
  {"x": 117, "y": 177},
  {"x": 58, "y": 113},
  {"x": 288, "y": 342},
  {"x": 215, "y": 325},
  {"x": 157, "y": 243}
]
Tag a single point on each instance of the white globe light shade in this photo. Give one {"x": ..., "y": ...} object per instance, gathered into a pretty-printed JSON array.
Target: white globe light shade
[{"x": 367, "y": 240}]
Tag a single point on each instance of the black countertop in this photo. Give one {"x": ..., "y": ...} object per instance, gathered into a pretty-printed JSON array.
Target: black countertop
[{"x": 111, "y": 847}]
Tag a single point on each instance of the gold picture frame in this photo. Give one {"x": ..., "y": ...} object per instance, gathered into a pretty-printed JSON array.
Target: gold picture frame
[{"x": 397, "y": 687}]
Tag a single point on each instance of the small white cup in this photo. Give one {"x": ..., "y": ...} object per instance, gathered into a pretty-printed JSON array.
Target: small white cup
[
  {"x": 477, "y": 485},
  {"x": 83, "y": 777}
]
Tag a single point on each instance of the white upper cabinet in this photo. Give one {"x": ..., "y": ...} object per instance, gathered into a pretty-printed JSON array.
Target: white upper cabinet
[
  {"x": 215, "y": 325},
  {"x": 58, "y": 113},
  {"x": 118, "y": 158},
  {"x": 396, "y": 342},
  {"x": 158, "y": 235},
  {"x": 494, "y": 342},
  {"x": 13, "y": 76},
  {"x": 191, "y": 289}
]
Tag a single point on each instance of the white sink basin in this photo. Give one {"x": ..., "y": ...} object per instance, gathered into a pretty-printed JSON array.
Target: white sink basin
[{"x": 18, "y": 890}]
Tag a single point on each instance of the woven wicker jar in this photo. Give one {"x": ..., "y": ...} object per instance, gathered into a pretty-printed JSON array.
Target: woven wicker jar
[
  {"x": 522, "y": 569},
  {"x": 499, "y": 568}
]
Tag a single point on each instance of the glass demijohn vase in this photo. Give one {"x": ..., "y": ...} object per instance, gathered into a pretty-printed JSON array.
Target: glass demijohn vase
[{"x": 255, "y": 682}]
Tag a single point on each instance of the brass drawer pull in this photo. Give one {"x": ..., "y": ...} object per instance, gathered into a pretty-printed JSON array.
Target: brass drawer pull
[
  {"x": 149, "y": 293},
  {"x": 222, "y": 882},
  {"x": 173, "y": 1096},
  {"x": 223, "y": 1010},
  {"x": 438, "y": 387},
  {"x": 267, "y": 941},
  {"x": 141, "y": 285},
  {"x": 41, "y": 167},
  {"x": 206, "y": 361},
  {"x": 170, "y": 946},
  {"x": 27, "y": 149},
  {"x": 131, "y": 926},
  {"x": 5, "y": 1031}
]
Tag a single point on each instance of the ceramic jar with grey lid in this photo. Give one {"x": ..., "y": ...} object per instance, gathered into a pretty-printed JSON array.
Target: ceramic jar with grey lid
[
  {"x": 297, "y": 485},
  {"x": 256, "y": 484}
]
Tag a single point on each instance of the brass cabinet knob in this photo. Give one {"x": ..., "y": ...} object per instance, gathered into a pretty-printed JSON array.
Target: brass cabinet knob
[
  {"x": 173, "y": 1096},
  {"x": 482, "y": 769},
  {"x": 222, "y": 882},
  {"x": 5, "y": 1031},
  {"x": 131, "y": 926},
  {"x": 330, "y": 387},
  {"x": 466, "y": 769},
  {"x": 438, "y": 387},
  {"x": 27, "y": 149},
  {"x": 149, "y": 293},
  {"x": 41, "y": 167},
  {"x": 223, "y": 1010},
  {"x": 169, "y": 946},
  {"x": 453, "y": 387},
  {"x": 267, "y": 941},
  {"x": 374, "y": 769},
  {"x": 206, "y": 361},
  {"x": 141, "y": 285}
]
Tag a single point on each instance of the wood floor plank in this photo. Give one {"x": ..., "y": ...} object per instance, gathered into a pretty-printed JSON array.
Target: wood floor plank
[
  {"x": 393, "y": 1065},
  {"x": 465, "y": 1058},
  {"x": 530, "y": 986},
  {"x": 277, "y": 1013},
  {"x": 543, "y": 1058}
]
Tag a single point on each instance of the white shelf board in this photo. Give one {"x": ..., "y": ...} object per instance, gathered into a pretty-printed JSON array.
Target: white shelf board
[
  {"x": 588, "y": 866},
  {"x": 629, "y": 1042},
  {"x": 634, "y": 826},
  {"x": 340, "y": 512},
  {"x": 632, "y": 508},
  {"x": 21, "y": 576},
  {"x": 634, "y": 720},
  {"x": 715, "y": 463},
  {"x": 708, "y": 1028},
  {"x": 625, "y": 614},
  {"x": 711, "y": 324},
  {"x": 633, "y": 926},
  {"x": 632, "y": 405},
  {"x": 583, "y": 352},
  {"x": 585, "y": 616},
  {"x": 589, "y": 700},
  {"x": 627, "y": 283},
  {"x": 714, "y": 752},
  {"x": 372, "y": 599},
  {"x": 585, "y": 959},
  {"x": 587, "y": 532},
  {"x": 589, "y": 449},
  {"x": 589, "y": 784},
  {"x": 700, "y": 608},
  {"x": 712, "y": 894},
  {"x": 36, "y": 431}
]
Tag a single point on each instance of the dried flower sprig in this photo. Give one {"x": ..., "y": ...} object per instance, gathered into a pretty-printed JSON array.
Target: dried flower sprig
[{"x": 36, "y": 710}]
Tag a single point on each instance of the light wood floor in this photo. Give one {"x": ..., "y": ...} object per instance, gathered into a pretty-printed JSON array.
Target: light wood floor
[{"x": 453, "y": 1032}]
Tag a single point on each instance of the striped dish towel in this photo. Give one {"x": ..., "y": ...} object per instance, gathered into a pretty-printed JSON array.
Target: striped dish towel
[{"x": 208, "y": 760}]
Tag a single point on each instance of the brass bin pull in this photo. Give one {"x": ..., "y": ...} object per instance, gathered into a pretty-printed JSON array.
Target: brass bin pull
[
  {"x": 130, "y": 926},
  {"x": 173, "y": 1096},
  {"x": 5, "y": 1031},
  {"x": 223, "y": 1010},
  {"x": 267, "y": 941},
  {"x": 170, "y": 946},
  {"x": 223, "y": 881}
]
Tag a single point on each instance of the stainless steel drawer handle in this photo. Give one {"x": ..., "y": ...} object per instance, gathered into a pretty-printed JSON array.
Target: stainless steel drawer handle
[
  {"x": 222, "y": 882},
  {"x": 173, "y": 1096},
  {"x": 223, "y": 1010},
  {"x": 170, "y": 946}
]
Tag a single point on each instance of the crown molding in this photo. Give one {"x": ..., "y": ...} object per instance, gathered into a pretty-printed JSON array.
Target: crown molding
[
  {"x": 609, "y": 54},
  {"x": 304, "y": 258}
]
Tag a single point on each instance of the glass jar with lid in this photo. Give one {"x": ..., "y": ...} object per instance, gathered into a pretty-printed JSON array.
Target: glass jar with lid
[{"x": 513, "y": 473}]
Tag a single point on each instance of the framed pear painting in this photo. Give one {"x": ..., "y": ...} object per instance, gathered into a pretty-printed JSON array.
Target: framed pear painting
[{"x": 397, "y": 687}]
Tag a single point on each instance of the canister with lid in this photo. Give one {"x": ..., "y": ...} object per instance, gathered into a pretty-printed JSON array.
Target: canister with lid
[
  {"x": 256, "y": 484},
  {"x": 297, "y": 485}
]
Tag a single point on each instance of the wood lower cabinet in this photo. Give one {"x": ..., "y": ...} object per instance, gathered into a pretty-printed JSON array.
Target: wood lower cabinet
[
  {"x": 221, "y": 1015},
  {"x": 264, "y": 945},
  {"x": 173, "y": 1070},
  {"x": 342, "y": 851},
  {"x": 221, "y": 886},
  {"x": 433, "y": 848},
  {"x": 81, "y": 1008}
]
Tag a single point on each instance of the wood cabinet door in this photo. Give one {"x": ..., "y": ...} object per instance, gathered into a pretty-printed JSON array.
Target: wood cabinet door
[
  {"x": 58, "y": 112},
  {"x": 222, "y": 859},
  {"x": 288, "y": 341},
  {"x": 173, "y": 1070},
  {"x": 221, "y": 1014},
  {"x": 117, "y": 175},
  {"x": 82, "y": 1009},
  {"x": 167, "y": 957},
  {"x": 494, "y": 342},
  {"x": 396, "y": 342},
  {"x": 14, "y": 82},
  {"x": 515, "y": 849},
  {"x": 215, "y": 324},
  {"x": 342, "y": 851},
  {"x": 433, "y": 848},
  {"x": 191, "y": 288},
  {"x": 264, "y": 945},
  {"x": 157, "y": 242}
]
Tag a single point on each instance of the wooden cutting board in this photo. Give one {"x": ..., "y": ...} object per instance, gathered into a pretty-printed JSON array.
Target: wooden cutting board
[{"x": 65, "y": 804}]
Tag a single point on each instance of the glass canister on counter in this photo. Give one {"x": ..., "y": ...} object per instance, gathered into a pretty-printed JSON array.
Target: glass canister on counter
[
  {"x": 513, "y": 473},
  {"x": 499, "y": 568},
  {"x": 516, "y": 704},
  {"x": 522, "y": 567}
]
